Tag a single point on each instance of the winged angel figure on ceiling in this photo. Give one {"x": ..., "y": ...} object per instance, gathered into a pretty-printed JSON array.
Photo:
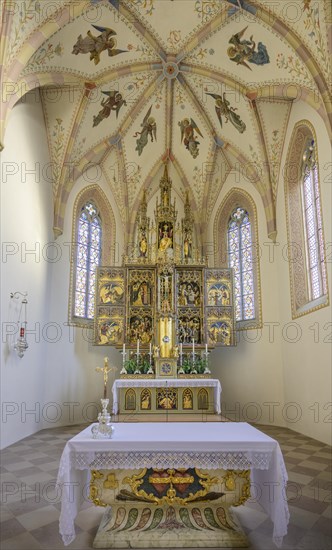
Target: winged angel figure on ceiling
[
  {"x": 95, "y": 45},
  {"x": 113, "y": 102},
  {"x": 242, "y": 51},
  {"x": 149, "y": 128},
  {"x": 188, "y": 137},
  {"x": 223, "y": 108}
]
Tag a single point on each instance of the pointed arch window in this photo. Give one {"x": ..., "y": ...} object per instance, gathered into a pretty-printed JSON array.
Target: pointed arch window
[
  {"x": 306, "y": 244},
  {"x": 237, "y": 246},
  {"x": 313, "y": 226},
  {"x": 94, "y": 238},
  {"x": 89, "y": 235},
  {"x": 240, "y": 259}
]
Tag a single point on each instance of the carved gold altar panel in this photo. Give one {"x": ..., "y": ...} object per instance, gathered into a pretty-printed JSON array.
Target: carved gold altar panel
[
  {"x": 169, "y": 507},
  {"x": 135, "y": 303},
  {"x": 165, "y": 303},
  {"x": 110, "y": 306},
  {"x": 177, "y": 400},
  {"x": 220, "y": 311}
]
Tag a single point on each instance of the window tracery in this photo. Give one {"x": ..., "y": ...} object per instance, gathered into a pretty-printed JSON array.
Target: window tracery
[
  {"x": 240, "y": 259},
  {"x": 306, "y": 248},
  {"x": 89, "y": 235},
  {"x": 93, "y": 244},
  {"x": 236, "y": 246}
]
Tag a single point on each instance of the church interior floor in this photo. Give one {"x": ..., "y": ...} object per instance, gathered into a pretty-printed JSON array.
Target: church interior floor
[{"x": 30, "y": 504}]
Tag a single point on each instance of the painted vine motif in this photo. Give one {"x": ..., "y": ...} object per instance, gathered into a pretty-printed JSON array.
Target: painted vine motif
[
  {"x": 147, "y": 5},
  {"x": 180, "y": 98},
  {"x": 205, "y": 9},
  {"x": 312, "y": 25},
  {"x": 203, "y": 52},
  {"x": 28, "y": 11},
  {"x": 275, "y": 165},
  {"x": 58, "y": 144},
  {"x": 292, "y": 64},
  {"x": 174, "y": 38},
  {"x": 46, "y": 54}
]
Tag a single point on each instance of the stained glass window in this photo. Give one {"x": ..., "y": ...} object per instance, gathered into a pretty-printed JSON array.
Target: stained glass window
[
  {"x": 313, "y": 227},
  {"x": 240, "y": 259},
  {"x": 87, "y": 259}
]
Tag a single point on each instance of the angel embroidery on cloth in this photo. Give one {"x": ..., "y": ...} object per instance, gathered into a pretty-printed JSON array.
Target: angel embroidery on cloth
[
  {"x": 242, "y": 51},
  {"x": 149, "y": 128},
  {"x": 113, "y": 102},
  {"x": 188, "y": 137},
  {"x": 223, "y": 108},
  {"x": 95, "y": 45}
]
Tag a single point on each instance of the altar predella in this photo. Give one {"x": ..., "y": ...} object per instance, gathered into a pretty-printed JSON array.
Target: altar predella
[{"x": 165, "y": 307}]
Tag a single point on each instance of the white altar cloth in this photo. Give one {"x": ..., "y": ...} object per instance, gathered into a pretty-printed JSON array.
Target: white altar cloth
[
  {"x": 163, "y": 383},
  {"x": 207, "y": 445}
]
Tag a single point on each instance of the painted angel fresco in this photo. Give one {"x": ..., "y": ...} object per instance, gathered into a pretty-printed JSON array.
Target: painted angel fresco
[
  {"x": 113, "y": 102},
  {"x": 95, "y": 45},
  {"x": 149, "y": 128},
  {"x": 223, "y": 108},
  {"x": 188, "y": 137},
  {"x": 243, "y": 51}
]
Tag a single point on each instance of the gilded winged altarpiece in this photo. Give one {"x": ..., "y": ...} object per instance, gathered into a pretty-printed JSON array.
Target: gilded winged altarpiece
[{"x": 165, "y": 307}]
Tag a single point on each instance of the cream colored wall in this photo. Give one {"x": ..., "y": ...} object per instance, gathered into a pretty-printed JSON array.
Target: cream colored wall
[
  {"x": 250, "y": 373},
  {"x": 56, "y": 378},
  {"x": 74, "y": 358},
  {"x": 26, "y": 225},
  {"x": 284, "y": 375},
  {"x": 306, "y": 361}
]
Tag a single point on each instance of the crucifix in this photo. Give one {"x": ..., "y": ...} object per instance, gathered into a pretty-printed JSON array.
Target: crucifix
[{"x": 105, "y": 370}]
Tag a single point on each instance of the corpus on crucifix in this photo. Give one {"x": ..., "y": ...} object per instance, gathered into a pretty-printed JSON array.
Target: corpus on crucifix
[{"x": 105, "y": 370}]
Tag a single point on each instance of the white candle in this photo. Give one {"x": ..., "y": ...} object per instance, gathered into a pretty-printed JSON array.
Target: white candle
[
  {"x": 150, "y": 348},
  {"x": 193, "y": 345},
  {"x": 206, "y": 349},
  {"x": 137, "y": 347},
  {"x": 181, "y": 348},
  {"x": 124, "y": 349}
]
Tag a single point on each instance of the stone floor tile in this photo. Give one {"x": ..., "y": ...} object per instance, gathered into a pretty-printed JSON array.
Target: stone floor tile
[
  {"x": 48, "y": 536},
  {"x": 35, "y": 519},
  {"x": 11, "y": 528},
  {"x": 24, "y": 541}
]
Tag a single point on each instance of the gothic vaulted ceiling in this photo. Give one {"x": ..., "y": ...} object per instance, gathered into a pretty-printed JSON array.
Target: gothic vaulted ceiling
[{"x": 205, "y": 85}]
